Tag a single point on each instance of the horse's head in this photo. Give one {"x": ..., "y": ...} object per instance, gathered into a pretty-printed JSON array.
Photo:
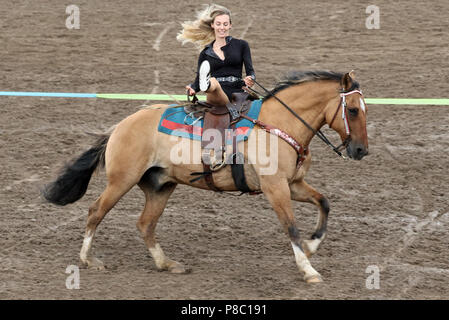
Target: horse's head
[{"x": 348, "y": 118}]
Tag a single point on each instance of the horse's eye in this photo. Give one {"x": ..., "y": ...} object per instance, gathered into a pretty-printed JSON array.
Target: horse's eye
[{"x": 353, "y": 112}]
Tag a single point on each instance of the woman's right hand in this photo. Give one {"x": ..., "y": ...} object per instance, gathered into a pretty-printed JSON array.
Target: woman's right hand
[{"x": 190, "y": 91}]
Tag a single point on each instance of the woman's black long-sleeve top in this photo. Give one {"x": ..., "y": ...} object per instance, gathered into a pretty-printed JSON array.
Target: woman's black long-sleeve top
[{"x": 237, "y": 54}]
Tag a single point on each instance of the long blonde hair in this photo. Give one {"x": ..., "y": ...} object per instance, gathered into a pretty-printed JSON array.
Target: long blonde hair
[{"x": 200, "y": 32}]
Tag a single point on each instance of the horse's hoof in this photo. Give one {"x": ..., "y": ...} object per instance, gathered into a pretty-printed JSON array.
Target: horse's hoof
[
  {"x": 314, "y": 279},
  {"x": 95, "y": 264},
  {"x": 178, "y": 268}
]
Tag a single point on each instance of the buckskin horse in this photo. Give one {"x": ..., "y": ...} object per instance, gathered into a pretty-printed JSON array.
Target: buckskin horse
[{"x": 134, "y": 152}]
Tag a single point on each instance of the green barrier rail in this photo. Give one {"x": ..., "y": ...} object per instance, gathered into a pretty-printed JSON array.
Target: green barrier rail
[
  {"x": 163, "y": 97},
  {"x": 183, "y": 97},
  {"x": 436, "y": 102}
]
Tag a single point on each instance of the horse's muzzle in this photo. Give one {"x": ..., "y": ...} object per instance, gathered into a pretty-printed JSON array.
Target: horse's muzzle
[{"x": 356, "y": 151}]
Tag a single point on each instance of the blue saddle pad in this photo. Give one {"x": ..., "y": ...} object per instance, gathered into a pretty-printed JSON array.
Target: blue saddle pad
[{"x": 176, "y": 122}]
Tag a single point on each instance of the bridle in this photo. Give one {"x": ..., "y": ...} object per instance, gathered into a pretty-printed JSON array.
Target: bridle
[
  {"x": 319, "y": 133},
  {"x": 344, "y": 116}
]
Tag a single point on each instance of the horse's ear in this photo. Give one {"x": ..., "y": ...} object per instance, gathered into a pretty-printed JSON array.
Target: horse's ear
[
  {"x": 346, "y": 82},
  {"x": 352, "y": 74}
]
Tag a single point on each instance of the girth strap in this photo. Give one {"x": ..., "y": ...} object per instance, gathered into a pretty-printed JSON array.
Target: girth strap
[{"x": 237, "y": 166}]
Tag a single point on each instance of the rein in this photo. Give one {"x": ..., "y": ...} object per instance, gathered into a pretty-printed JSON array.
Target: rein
[{"x": 319, "y": 133}]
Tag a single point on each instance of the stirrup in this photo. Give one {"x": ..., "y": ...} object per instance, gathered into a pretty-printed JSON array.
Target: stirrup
[{"x": 217, "y": 166}]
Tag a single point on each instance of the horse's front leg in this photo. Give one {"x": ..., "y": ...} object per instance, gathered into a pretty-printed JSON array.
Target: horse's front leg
[
  {"x": 278, "y": 193},
  {"x": 301, "y": 191}
]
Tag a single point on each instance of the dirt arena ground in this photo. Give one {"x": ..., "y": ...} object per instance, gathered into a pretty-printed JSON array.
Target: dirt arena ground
[{"x": 390, "y": 210}]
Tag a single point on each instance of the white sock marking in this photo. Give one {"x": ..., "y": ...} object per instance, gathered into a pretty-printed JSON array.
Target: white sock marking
[{"x": 303, "y": 263}]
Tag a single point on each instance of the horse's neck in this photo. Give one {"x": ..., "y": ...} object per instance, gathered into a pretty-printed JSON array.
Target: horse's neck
[{"x": 309, "y": 101}]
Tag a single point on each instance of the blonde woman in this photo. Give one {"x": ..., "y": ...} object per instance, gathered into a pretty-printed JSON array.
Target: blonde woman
[{"x": 222, "y": 57}]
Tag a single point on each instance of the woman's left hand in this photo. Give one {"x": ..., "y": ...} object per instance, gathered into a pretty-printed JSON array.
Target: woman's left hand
[{"x": 249, "y": 82}]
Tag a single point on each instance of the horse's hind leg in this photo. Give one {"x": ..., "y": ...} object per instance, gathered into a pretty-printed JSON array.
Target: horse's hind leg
[
  {"x": 155, "y": 202},
  {"x": 110, "y": 196},
  {"x": 278, "y": 193},
  {"x": 301, "y": 191}
]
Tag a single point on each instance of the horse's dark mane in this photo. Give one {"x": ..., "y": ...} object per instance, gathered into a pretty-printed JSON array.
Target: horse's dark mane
[{"x": 298, "y": 77}]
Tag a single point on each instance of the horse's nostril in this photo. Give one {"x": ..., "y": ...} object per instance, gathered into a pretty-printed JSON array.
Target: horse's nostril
[{"x": 361, "y": 152}]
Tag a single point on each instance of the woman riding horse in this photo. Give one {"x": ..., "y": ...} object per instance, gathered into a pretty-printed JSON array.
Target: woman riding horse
[
  {"x": 222, "y": 57},
  {"x": 136, "y": 153}
]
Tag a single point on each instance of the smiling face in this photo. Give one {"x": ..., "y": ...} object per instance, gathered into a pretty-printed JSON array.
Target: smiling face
[{"x": 221, "y": 26}]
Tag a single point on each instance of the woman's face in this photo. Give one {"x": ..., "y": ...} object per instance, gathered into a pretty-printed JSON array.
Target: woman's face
[{"x": 221, "y": 26}]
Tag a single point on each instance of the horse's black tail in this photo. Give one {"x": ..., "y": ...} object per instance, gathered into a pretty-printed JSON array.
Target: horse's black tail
[{"x": 73, "y": 180}]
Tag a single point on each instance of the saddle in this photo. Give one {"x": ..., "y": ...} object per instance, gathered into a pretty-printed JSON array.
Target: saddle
[{"x": 218, "y": 129}]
